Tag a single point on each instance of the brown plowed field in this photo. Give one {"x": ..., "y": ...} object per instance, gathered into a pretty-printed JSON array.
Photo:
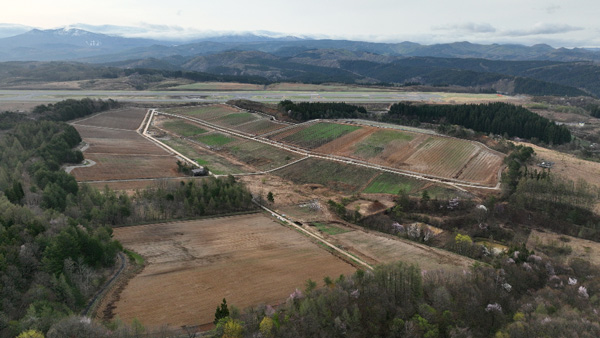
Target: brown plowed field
[
  {"x": 191, "y": 266},
  {"x": 119, "y": 151},
  {"x": 110, "y": 141},
  {"x": 125, "y": 166},
  {"x": 129, "y": 119}
]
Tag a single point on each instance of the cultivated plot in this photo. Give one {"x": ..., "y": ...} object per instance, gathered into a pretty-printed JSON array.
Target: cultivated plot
[
  {"x": 126, "y": 167},
  {"x": 438, "y": 156},
  {"x": 120, "y": 153},
  {"x": 191, "y": 266},
  {"x": 387, "y": 183},
  {"x": 378, "y": 249},
  {"x": 129, "y": 119}
]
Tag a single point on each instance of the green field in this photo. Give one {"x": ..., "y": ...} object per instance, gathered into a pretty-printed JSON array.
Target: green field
[
  {"x": 329, "y": 228},
  {"x": 388, "y": 183},
  {"x": 376, "y": 142},
  {"x": 214, "y": 139},
  {"x": 183, "y": 128},
  {"x": 259, "y": 127},
  {"x": 234, "y": 119},
  {"x": 318, "y": 134},
  {"x": 333, "y": 175},
  {"x": 261, "y": 156},
  {"x": 215, "y": 163}
]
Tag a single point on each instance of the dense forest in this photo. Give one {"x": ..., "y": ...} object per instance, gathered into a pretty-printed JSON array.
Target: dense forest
[
  {"x": 71, "y": 109},
  {"x": 61, "y": 111},
  {"x": 304, "y": 111},
  {"x": 498, "y": 118}
]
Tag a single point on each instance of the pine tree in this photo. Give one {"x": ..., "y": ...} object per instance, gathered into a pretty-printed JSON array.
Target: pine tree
[{"x": 221, "y": 312}]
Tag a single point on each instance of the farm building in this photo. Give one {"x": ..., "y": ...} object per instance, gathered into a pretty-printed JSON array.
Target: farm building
[{"x": 200, "y": 171}]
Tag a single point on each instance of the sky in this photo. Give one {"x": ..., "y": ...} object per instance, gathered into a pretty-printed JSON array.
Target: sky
[{"x": 527, "y": 22}]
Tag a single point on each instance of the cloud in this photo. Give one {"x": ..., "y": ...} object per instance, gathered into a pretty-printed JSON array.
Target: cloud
[
  {"x": 552, "y": 9},
  {"x": 542, "y": 28},
  {"x": 467, "y": 27}
]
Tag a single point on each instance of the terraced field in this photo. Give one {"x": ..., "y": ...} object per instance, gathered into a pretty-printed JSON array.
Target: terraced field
[
  {"x": 259, "y": 155},
  {"x": 311, "y": 136},
  {"x": 259, "y": 127},
  {"x": 183, "y": 127},
  {"x": 217, "y": 164},
  {"x": 438, "y": 156},
  {"x": 336, "y": 176},
  {"x": 407, "y": 150},
  {"x": 443, "y": 157}
]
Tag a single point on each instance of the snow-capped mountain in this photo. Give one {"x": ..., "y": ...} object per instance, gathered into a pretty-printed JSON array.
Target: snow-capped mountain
[{"x": 65, "y": 43}]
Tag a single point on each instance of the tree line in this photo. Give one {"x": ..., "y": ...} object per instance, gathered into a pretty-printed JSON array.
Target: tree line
[
  {"x": 498, "y": 118},
  {"x": 304, "y": 111}
]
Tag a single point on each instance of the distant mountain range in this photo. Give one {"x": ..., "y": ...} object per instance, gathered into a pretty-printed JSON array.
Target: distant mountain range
[
  {"x": 78, "y": 44},
  {"x": 535, "y": 70}
]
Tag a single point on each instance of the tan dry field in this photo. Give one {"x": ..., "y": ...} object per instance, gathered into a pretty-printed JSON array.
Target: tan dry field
[
  {"x": 379, "y": 248},
  {"x": 119, "y": 151},
  {"x": 582, "y": 248},
  {"x": 191, "y": 266},
  {"x": 129, "y": 119},
  {"x": 426, "y": 154},
  {"x": 126, "y": 167},
  {"x": 566, "y": 165},
  {"x": 110, "y": 141}
]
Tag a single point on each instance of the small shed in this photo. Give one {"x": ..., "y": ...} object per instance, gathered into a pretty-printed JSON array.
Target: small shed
[{"x": 200, "y": 171}]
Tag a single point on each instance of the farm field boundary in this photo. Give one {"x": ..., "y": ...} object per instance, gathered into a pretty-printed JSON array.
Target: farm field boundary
[{"x": 459, "y": 184}]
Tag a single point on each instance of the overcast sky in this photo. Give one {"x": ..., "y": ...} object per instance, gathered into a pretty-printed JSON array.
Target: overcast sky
[{"x": 558, "y": 23}]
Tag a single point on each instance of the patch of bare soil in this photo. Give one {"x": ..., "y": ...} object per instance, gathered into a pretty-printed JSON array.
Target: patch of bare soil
[{"x": 191, "y": 266}]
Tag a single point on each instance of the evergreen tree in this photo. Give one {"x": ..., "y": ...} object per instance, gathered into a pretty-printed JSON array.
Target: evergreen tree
[{"x": 221, "y": 312}]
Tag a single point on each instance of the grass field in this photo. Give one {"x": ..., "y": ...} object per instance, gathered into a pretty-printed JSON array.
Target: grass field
[
  {"x": 375, "y": 143},
  {"x": 214, "y": 139},
  {"x": 259, "y": 127},
  {"x": 191, "y": 266},
  {"x": 217, "y": 164},
  {"x": 316, "y": 134},
  {"x": 329, "y": 229},
  {"x": 387, "y": 183},
  {"x": 183, "y": 128},
  {"x": 259, "y": 155},
  {"x": 333, "y": 175},
  {"x": 234, "y": 119}
]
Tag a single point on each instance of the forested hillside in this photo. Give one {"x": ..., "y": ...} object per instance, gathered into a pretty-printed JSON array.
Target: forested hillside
[
  {"x": 55, "y": 235},
  {"x": 322, "y": 66},
  {"x": 498, "y": 118}
]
